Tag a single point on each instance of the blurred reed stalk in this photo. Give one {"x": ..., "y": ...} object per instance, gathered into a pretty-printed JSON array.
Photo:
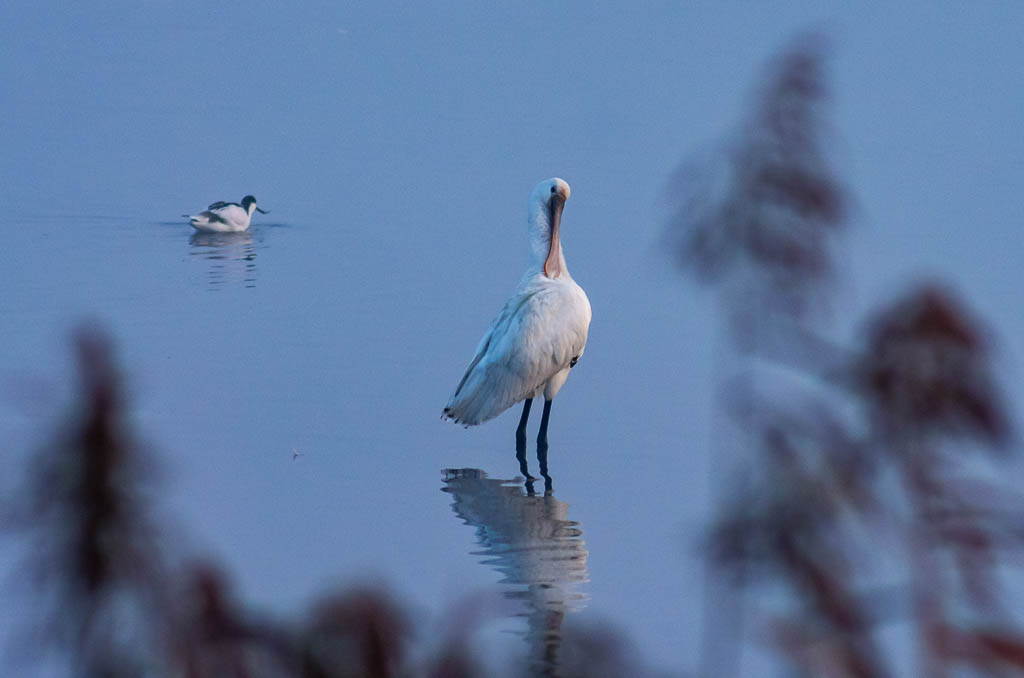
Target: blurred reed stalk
[
  {"x": 757, "y": 225},
  {"x": 859, "y": 467},
  {"x": 94, "y": 561}
]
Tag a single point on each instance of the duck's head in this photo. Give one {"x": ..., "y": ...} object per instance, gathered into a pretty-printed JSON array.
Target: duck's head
[{"x": 249, "y": 204}]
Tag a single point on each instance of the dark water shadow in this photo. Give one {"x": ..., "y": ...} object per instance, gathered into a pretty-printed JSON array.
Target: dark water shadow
[{"x": 540, "y": 553}]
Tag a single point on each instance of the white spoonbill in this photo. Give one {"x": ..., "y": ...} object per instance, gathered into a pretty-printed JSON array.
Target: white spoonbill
[
  {"x": 537, "y": 337},
  {"x": 226, "y": 216}
]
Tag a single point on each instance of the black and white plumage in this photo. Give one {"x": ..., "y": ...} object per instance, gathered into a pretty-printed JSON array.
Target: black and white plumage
[{"x": 226, "y": 216}]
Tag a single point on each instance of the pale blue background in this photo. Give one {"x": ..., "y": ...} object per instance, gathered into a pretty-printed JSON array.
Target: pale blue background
[{"x": 395, "y": 146}]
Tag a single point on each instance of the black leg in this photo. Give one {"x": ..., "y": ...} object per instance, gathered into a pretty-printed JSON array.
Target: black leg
[
  {"x": 542, "y": 439},
  {"x": 521, "y": 431},
  {"x": 542, "y": 436},
  {"x": 530, "y": 491},
  {"x": 521, "y": 439},
  {"x": 542, "y": 457}
]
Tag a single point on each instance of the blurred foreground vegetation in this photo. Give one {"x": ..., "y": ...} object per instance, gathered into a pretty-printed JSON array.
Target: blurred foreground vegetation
[{"x": 868, "y": 509}]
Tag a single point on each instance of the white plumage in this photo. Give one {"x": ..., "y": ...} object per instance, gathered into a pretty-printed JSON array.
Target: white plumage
[
  {"x": 225, "y": 217},
  {"x": 539, "y": 334}
]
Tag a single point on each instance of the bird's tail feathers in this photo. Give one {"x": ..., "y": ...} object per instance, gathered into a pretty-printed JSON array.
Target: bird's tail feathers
[{"x": 478, "y": 400}]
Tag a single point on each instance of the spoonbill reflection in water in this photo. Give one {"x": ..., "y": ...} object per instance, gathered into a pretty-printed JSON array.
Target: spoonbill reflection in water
[
  {"x": 538, "y": 550},
  {"x": 538, "y": 336}
]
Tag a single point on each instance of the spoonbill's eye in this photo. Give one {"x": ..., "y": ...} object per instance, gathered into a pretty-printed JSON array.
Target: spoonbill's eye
[{"x": 552, "y": 189}]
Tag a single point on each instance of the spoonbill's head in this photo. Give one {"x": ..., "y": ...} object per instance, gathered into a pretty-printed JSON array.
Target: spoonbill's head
[
  {"x": 249, "y": 204},
  {"x": 546, "y": 203},
  {"x": 549, "y": 189}
]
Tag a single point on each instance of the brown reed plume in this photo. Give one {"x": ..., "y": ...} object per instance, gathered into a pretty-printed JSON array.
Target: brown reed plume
[
  {"x": 892, "y": 469},
  {"x": 93, "y": 549},
  {"x": 762, "y": 216}
]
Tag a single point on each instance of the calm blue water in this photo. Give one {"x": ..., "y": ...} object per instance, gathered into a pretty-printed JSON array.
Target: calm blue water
[
  {"x": 395, "y": 148},
  {"x": 242, "y": 349}
]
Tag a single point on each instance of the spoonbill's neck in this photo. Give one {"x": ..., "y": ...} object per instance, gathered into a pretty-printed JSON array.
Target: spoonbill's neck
[{"x": 544, "y": 252}]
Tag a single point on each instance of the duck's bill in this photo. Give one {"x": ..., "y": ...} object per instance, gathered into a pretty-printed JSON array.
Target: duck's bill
[{"x": 262, "y": 211}]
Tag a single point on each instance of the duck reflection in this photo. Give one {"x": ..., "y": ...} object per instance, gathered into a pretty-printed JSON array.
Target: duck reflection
[
  {"x": 539, "y": 552},
  {"x": 232, "y": 257}
]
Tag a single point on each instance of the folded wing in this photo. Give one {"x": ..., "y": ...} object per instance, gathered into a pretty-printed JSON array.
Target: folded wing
[{"x": 530, "y": 340}]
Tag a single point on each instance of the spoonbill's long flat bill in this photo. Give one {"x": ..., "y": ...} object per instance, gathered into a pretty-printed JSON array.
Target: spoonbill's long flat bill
[
  {"x": 537, "y": 337},
  {"x": 226, "y": 216}
]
